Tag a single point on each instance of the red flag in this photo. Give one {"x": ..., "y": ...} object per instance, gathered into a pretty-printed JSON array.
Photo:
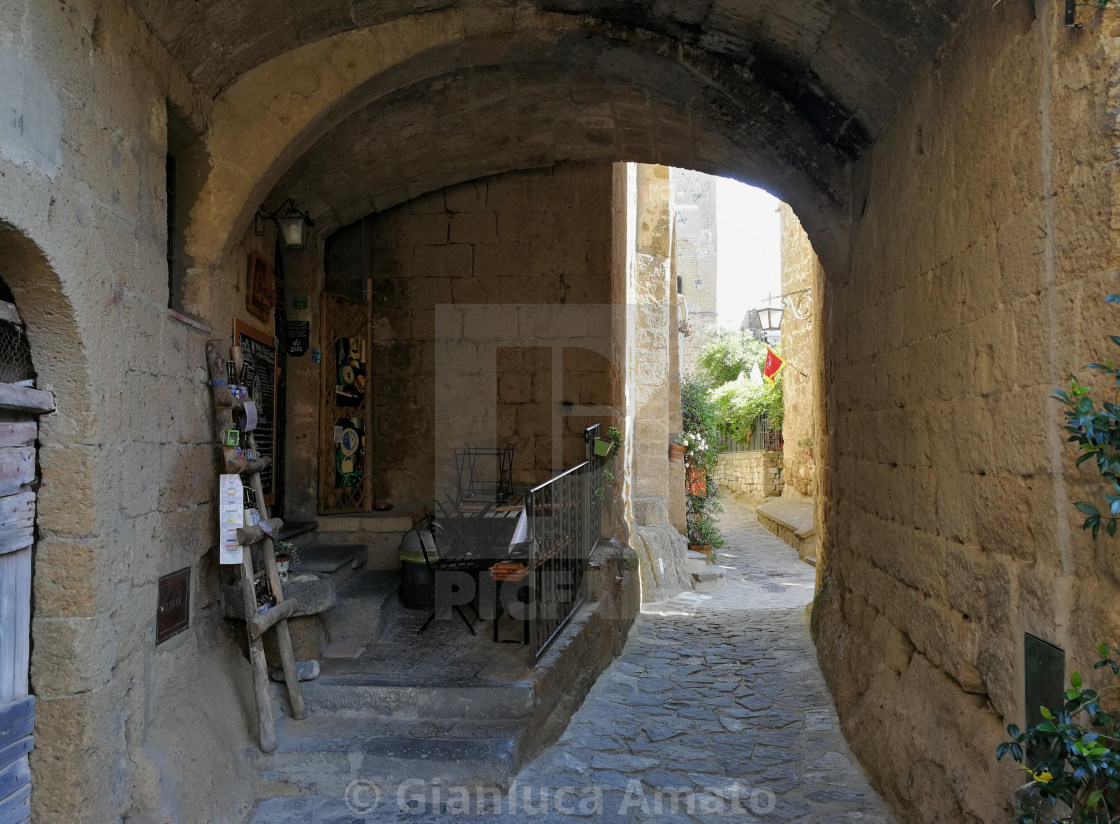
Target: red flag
[{"x": 773, "y": 366}]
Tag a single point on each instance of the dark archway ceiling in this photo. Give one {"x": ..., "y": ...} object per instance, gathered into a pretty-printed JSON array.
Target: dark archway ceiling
[
  {"x": 484, "y": 107},
  {"x": 843, "y": 64}
]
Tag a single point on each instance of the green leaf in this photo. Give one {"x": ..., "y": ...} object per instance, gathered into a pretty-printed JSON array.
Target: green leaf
[
  {"x": 1049, "y": 716},
  {"x": 1075, "y": 680},
  {"x": 1094, "y": 798},
  {"x": 1087, "y": 508}
]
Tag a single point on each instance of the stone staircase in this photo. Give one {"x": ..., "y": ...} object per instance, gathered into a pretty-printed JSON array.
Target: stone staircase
[
  {"x": 441, "y": 708},
  {"x": 386, "y": 734},
  {"x": 443, "y": 704}
]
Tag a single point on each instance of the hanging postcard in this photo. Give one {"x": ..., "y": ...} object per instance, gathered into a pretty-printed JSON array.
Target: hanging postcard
[
  {"x": 349, "y": 453},
  {"x": 350, "y": 378}
]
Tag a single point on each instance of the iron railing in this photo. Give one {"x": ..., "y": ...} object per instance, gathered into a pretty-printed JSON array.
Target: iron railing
[
  {"x": 558, "y": 512},
  {"x": 563, "y": 528}
]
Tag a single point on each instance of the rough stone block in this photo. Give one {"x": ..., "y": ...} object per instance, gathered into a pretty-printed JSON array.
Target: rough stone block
[
  {"x": 67, "y": 496},
  {"x": 67, "y": 578},
  {"x": 71, "y": 655},
  {"x": 474, "y": 227},
  {"x": 466, "y": 197}
]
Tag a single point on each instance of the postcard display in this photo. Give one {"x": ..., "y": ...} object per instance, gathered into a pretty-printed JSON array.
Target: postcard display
[{"x": 344, "y": 482}]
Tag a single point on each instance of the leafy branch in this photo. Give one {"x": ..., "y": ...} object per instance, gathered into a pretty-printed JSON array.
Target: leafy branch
[
  {"x": 1096, "y": 431},
  {"x": 1073, "y": 763}
]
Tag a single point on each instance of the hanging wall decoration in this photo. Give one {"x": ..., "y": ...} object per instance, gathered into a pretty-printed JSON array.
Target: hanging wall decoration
[{"x": 260, "y": 290}]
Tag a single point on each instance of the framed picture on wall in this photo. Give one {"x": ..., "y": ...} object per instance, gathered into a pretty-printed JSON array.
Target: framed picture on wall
[{"x": 260, "y": 289}]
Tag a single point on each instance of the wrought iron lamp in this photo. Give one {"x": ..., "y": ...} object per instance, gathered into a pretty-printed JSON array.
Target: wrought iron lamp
[
  {"x": 292, "y": 223},
  {"x": 799, "y": 303}
]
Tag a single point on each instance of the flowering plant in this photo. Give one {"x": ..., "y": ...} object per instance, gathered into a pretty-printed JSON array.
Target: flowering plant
[
  {"x": 698, "y": 439},
  {"x": 686, "y": 328}
]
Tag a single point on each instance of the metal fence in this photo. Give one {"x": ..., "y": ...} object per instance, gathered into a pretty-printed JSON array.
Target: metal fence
[
  {"x": 764, "y": 439},
  {"x": 559, "y": 527}
]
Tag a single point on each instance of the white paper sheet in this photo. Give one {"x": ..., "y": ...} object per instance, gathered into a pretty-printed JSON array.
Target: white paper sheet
[{"x": 231, "y": 514}]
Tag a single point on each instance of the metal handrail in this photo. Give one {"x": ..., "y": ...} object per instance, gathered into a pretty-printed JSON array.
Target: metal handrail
[{"x": 558, "y": 514}]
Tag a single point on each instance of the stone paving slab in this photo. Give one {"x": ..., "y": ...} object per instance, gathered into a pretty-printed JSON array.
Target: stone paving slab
[{"x": 715, "y": 712}]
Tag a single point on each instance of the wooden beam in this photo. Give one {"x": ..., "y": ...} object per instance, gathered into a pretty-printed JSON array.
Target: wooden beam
[
  {"x": 25, "y": 399},
  {"x": 17, "y": 468},
  {"x": 9, "y": 754},
  {"x": 14, "y": 776},
  {"x": 16, "y": 808},
  {"x": 17, "y": 720},
  {"x": 251, "y": 534},
  {"x": 260, "y": 623},
  {"x": 19, "y": 433}
]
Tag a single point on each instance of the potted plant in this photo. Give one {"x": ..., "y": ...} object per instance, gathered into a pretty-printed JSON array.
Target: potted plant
[{"x": 614, "y": 448}]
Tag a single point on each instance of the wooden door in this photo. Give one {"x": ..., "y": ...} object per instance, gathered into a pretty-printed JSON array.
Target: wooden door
[{"x": 19, "y": 407}]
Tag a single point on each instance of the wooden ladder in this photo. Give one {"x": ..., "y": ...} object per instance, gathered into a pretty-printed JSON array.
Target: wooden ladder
[{"x": 276, "y": 617}]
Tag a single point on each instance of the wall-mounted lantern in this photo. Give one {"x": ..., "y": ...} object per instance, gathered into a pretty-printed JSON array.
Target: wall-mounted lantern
[
  {"x": 292, "y": 223},
  {"x": 799, "y": 303},
  {"x": 771, "y": 318}
]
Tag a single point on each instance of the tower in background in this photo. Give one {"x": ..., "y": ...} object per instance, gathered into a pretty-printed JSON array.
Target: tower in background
[{"x": 694, "y": 251}]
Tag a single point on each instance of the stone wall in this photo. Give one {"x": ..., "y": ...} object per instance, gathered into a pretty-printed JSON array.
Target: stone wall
[
  {"x": 124, "y": 729},
  {"x": 802, "y": 281},
  {"x": 750, "y": 476},
  {"x": 517, "y": 254},
  {"x": 653, "y": 383},
  {"x": 694, "y": 257},
  {"x": 983, "y": 247}
]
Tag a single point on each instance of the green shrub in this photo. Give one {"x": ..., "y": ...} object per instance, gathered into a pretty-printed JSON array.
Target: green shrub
[
  {"x": 741, "y": 404},
  {"x": 1070, "y": 757},
  {"x": 727, "y": 354}
]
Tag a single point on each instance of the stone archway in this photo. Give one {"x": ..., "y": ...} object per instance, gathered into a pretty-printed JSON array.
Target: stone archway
[{"x": 61, "y": 593}]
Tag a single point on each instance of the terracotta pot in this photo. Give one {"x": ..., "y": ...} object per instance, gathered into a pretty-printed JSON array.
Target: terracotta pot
[
  {"x": 676, "y": 452},
  {"x": 703, "y": 549}
]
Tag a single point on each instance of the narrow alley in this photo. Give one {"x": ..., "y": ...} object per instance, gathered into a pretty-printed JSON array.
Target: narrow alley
[{"x": 715, "y": 711}]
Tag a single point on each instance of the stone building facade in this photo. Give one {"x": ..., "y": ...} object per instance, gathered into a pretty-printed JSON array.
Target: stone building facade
[
  {"x": 952, "y": 166},
  {"x": 694, "y": 258},
  {"x": 802, "y": 391}
]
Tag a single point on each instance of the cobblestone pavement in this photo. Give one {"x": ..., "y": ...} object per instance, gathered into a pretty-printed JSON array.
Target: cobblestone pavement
[{"x": 716, "y": 711}]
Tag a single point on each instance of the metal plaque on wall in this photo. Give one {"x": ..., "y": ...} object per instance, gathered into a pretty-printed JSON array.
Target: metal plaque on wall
[{"x": 173, "y": 614}]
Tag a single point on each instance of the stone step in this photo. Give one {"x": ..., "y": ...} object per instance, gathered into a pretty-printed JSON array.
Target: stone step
[
  {"x": 366, "y": 606},
  {"x": 379, "y": 532},
  {"x": 339, "y": 561},
  {"x": 366, "y": 695},
  {"x": 793, "y": 522},
  {"x": 324, "y": 754}
]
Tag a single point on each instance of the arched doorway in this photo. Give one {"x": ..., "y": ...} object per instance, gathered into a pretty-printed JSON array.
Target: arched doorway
[{"x": 20, "y": 406}]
